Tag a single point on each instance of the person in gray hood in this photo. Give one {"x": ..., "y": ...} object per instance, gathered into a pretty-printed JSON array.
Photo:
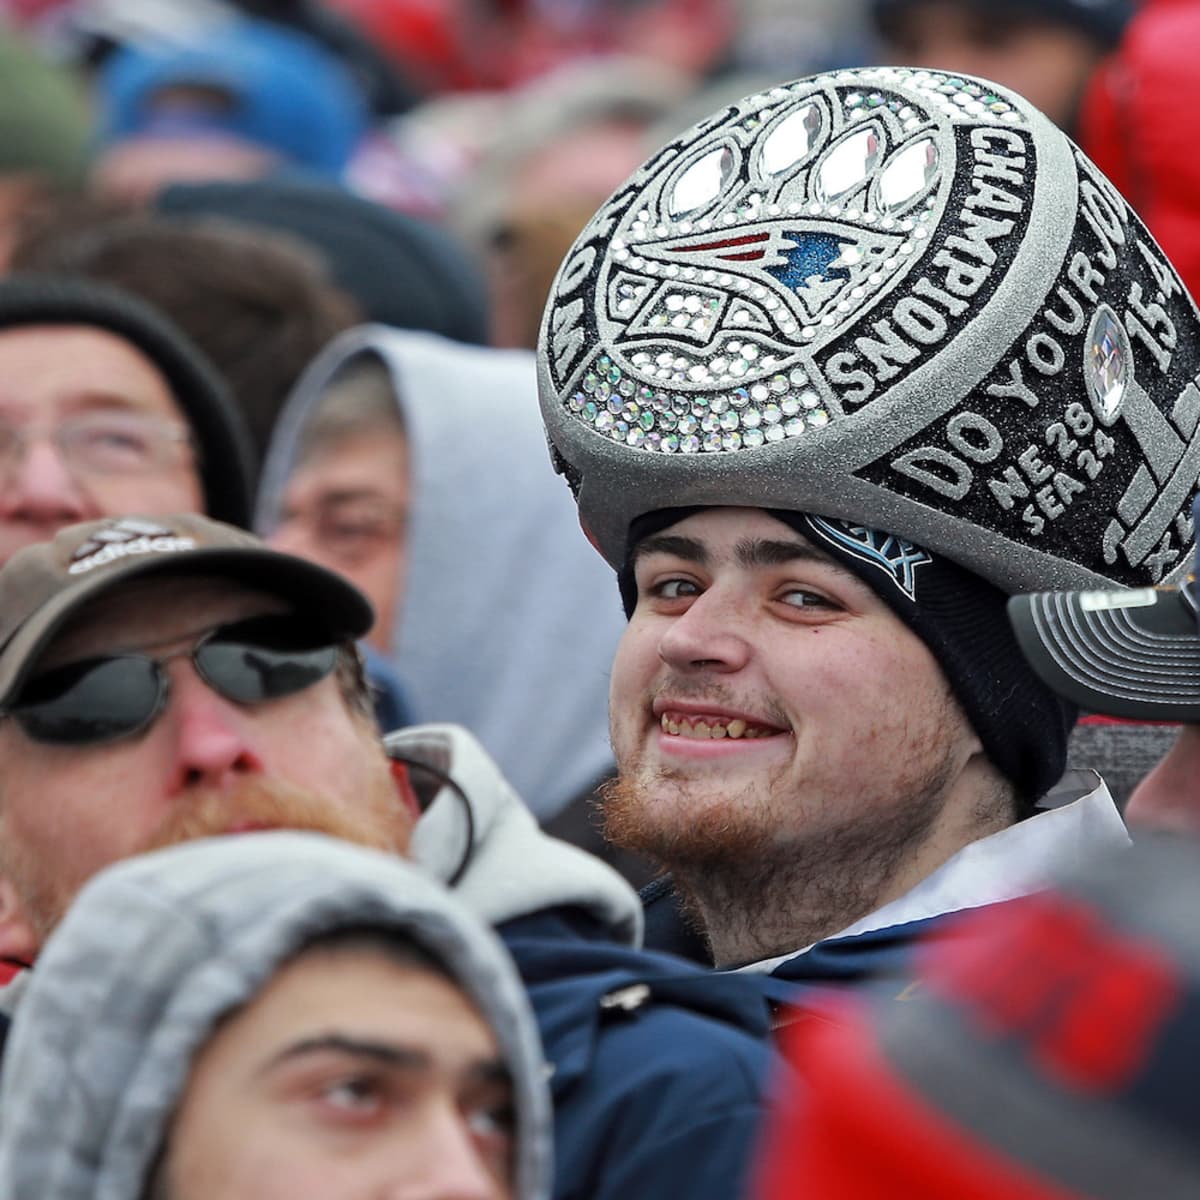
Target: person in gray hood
[
  {"x": 272, "y": 1015},
  {"x": 428, "y": 489}
]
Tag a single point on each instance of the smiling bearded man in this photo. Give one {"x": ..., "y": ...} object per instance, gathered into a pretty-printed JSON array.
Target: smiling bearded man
[
  {"x": 832, "y": 375},
  {"x": 752, "y": 773},
  {"x": 765, "y": 753}
]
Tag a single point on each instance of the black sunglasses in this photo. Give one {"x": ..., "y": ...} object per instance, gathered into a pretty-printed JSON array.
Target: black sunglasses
[{"x": 102, "y": 699}]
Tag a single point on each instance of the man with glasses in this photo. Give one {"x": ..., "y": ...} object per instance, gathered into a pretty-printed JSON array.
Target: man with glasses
[
  {"x": 105, "y": 409},
  {"x": 170, "y": 678}
]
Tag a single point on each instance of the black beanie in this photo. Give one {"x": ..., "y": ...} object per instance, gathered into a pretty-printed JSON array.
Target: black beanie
[
  {"x": 219, "y": 430},
  {"x": 399, "y": 269},
  {"x": 960, "y": 617},
  {"x": 1104, "y": 20}
]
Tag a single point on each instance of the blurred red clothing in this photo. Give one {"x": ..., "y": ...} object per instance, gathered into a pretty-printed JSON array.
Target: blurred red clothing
[
  {"x": 465, "y": 45},
  {"x": 852, "y": 1129},
  {"x": 1138, "y": 125}
]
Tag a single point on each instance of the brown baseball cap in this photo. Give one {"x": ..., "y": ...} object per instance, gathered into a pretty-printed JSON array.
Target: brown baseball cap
[{"x": 44, "y": 585}]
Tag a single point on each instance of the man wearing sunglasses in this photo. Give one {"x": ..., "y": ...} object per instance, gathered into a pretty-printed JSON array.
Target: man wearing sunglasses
[{"x": 163, "y": 679}]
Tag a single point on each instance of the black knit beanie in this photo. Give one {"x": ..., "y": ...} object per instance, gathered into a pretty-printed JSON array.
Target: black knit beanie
[
  {"x": 1104, "y": 20},
  {"x": 962, "y": 619},
  {"x": 222, "y": 439},
  {"x": 399, "y": 269}
]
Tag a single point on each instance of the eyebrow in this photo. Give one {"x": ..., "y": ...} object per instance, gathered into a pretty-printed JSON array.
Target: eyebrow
[
  {"x": 345, "y": 495},
  {"x": 749, "y": 552},
  {"x": 100, "y": 398},
  {"x": 385, "y": 1053},
  {"x": 689, "y": 549},
  {"x": 489, "y": 1070}
]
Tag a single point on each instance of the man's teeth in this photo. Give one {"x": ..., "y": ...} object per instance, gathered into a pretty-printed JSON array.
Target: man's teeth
[{"x": 699, "y": 728}]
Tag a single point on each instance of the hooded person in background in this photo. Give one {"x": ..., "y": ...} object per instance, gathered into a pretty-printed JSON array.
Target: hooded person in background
[
  {"x": 831, "y": 376},
  {"x": 273, "y": 1015},
  {"x": 415, "y": 467}
]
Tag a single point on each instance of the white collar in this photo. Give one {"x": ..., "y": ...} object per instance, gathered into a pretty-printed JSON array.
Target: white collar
[{"x": 1014, "y": 862}]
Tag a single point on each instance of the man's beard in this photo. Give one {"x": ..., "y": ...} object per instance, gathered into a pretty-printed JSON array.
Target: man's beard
[
  {"x": 377, "y": 820},
  {"x": 651, "y": 815},
  {"x": 756, "y": 876}
]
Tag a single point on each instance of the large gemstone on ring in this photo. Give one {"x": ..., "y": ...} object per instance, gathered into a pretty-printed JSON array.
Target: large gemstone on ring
[{"x": 1107, "y": 367}]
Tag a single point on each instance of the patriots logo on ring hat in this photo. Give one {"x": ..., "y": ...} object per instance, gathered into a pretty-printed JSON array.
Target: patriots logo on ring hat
[{"x": 895, "y": 298}]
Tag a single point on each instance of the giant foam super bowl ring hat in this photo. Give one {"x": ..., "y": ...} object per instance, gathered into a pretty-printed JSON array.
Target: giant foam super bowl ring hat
[
  {"x": 1133, "y": 653},
  {"x": 891, "y": 297}
]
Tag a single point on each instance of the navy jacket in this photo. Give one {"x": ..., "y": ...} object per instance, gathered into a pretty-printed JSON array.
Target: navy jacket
[{"x": 659, "y": 1066}]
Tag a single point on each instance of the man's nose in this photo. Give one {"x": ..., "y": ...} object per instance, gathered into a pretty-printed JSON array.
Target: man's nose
[
  {"x": 40, "y": 487},
  {"x": 451, "y": 1166},
  {"x": 708, "y": 636},
  {"x": 213, "y": 740}
]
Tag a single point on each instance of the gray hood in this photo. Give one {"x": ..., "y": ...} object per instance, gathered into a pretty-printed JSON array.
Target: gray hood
[
  {"x": 476, "y": 836},
  {"x": 511, "y": 619},
  {"x": 158, "y": 948}
]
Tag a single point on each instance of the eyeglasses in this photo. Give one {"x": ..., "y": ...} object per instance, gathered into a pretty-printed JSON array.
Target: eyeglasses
[
  {"x": 102, "y": 443},
  {"x": 347, "y": 531},
  {"x": 103, "y": 699}
]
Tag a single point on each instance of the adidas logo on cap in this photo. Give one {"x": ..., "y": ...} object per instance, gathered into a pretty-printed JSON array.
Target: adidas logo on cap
[{"x": 123, "y": 539}]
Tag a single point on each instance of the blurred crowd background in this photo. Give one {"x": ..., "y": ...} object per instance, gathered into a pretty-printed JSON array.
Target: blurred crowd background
[
  {"x": 501, "y": 123},
  {"x": 272, "y": 174}
]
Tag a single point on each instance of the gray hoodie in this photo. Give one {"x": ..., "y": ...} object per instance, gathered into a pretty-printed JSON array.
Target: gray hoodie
[
  {"x": 158, "y": 948},
  {"x": 510, "y": 619},
  {"x": 476, "y": 836}
]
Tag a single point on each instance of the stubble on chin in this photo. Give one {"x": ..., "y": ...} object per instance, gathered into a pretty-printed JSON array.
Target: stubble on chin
[
  {"x": 669, "y": 814},
  {"x": 766, "y": 868},
  {"x": 672, "y": 818}
]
